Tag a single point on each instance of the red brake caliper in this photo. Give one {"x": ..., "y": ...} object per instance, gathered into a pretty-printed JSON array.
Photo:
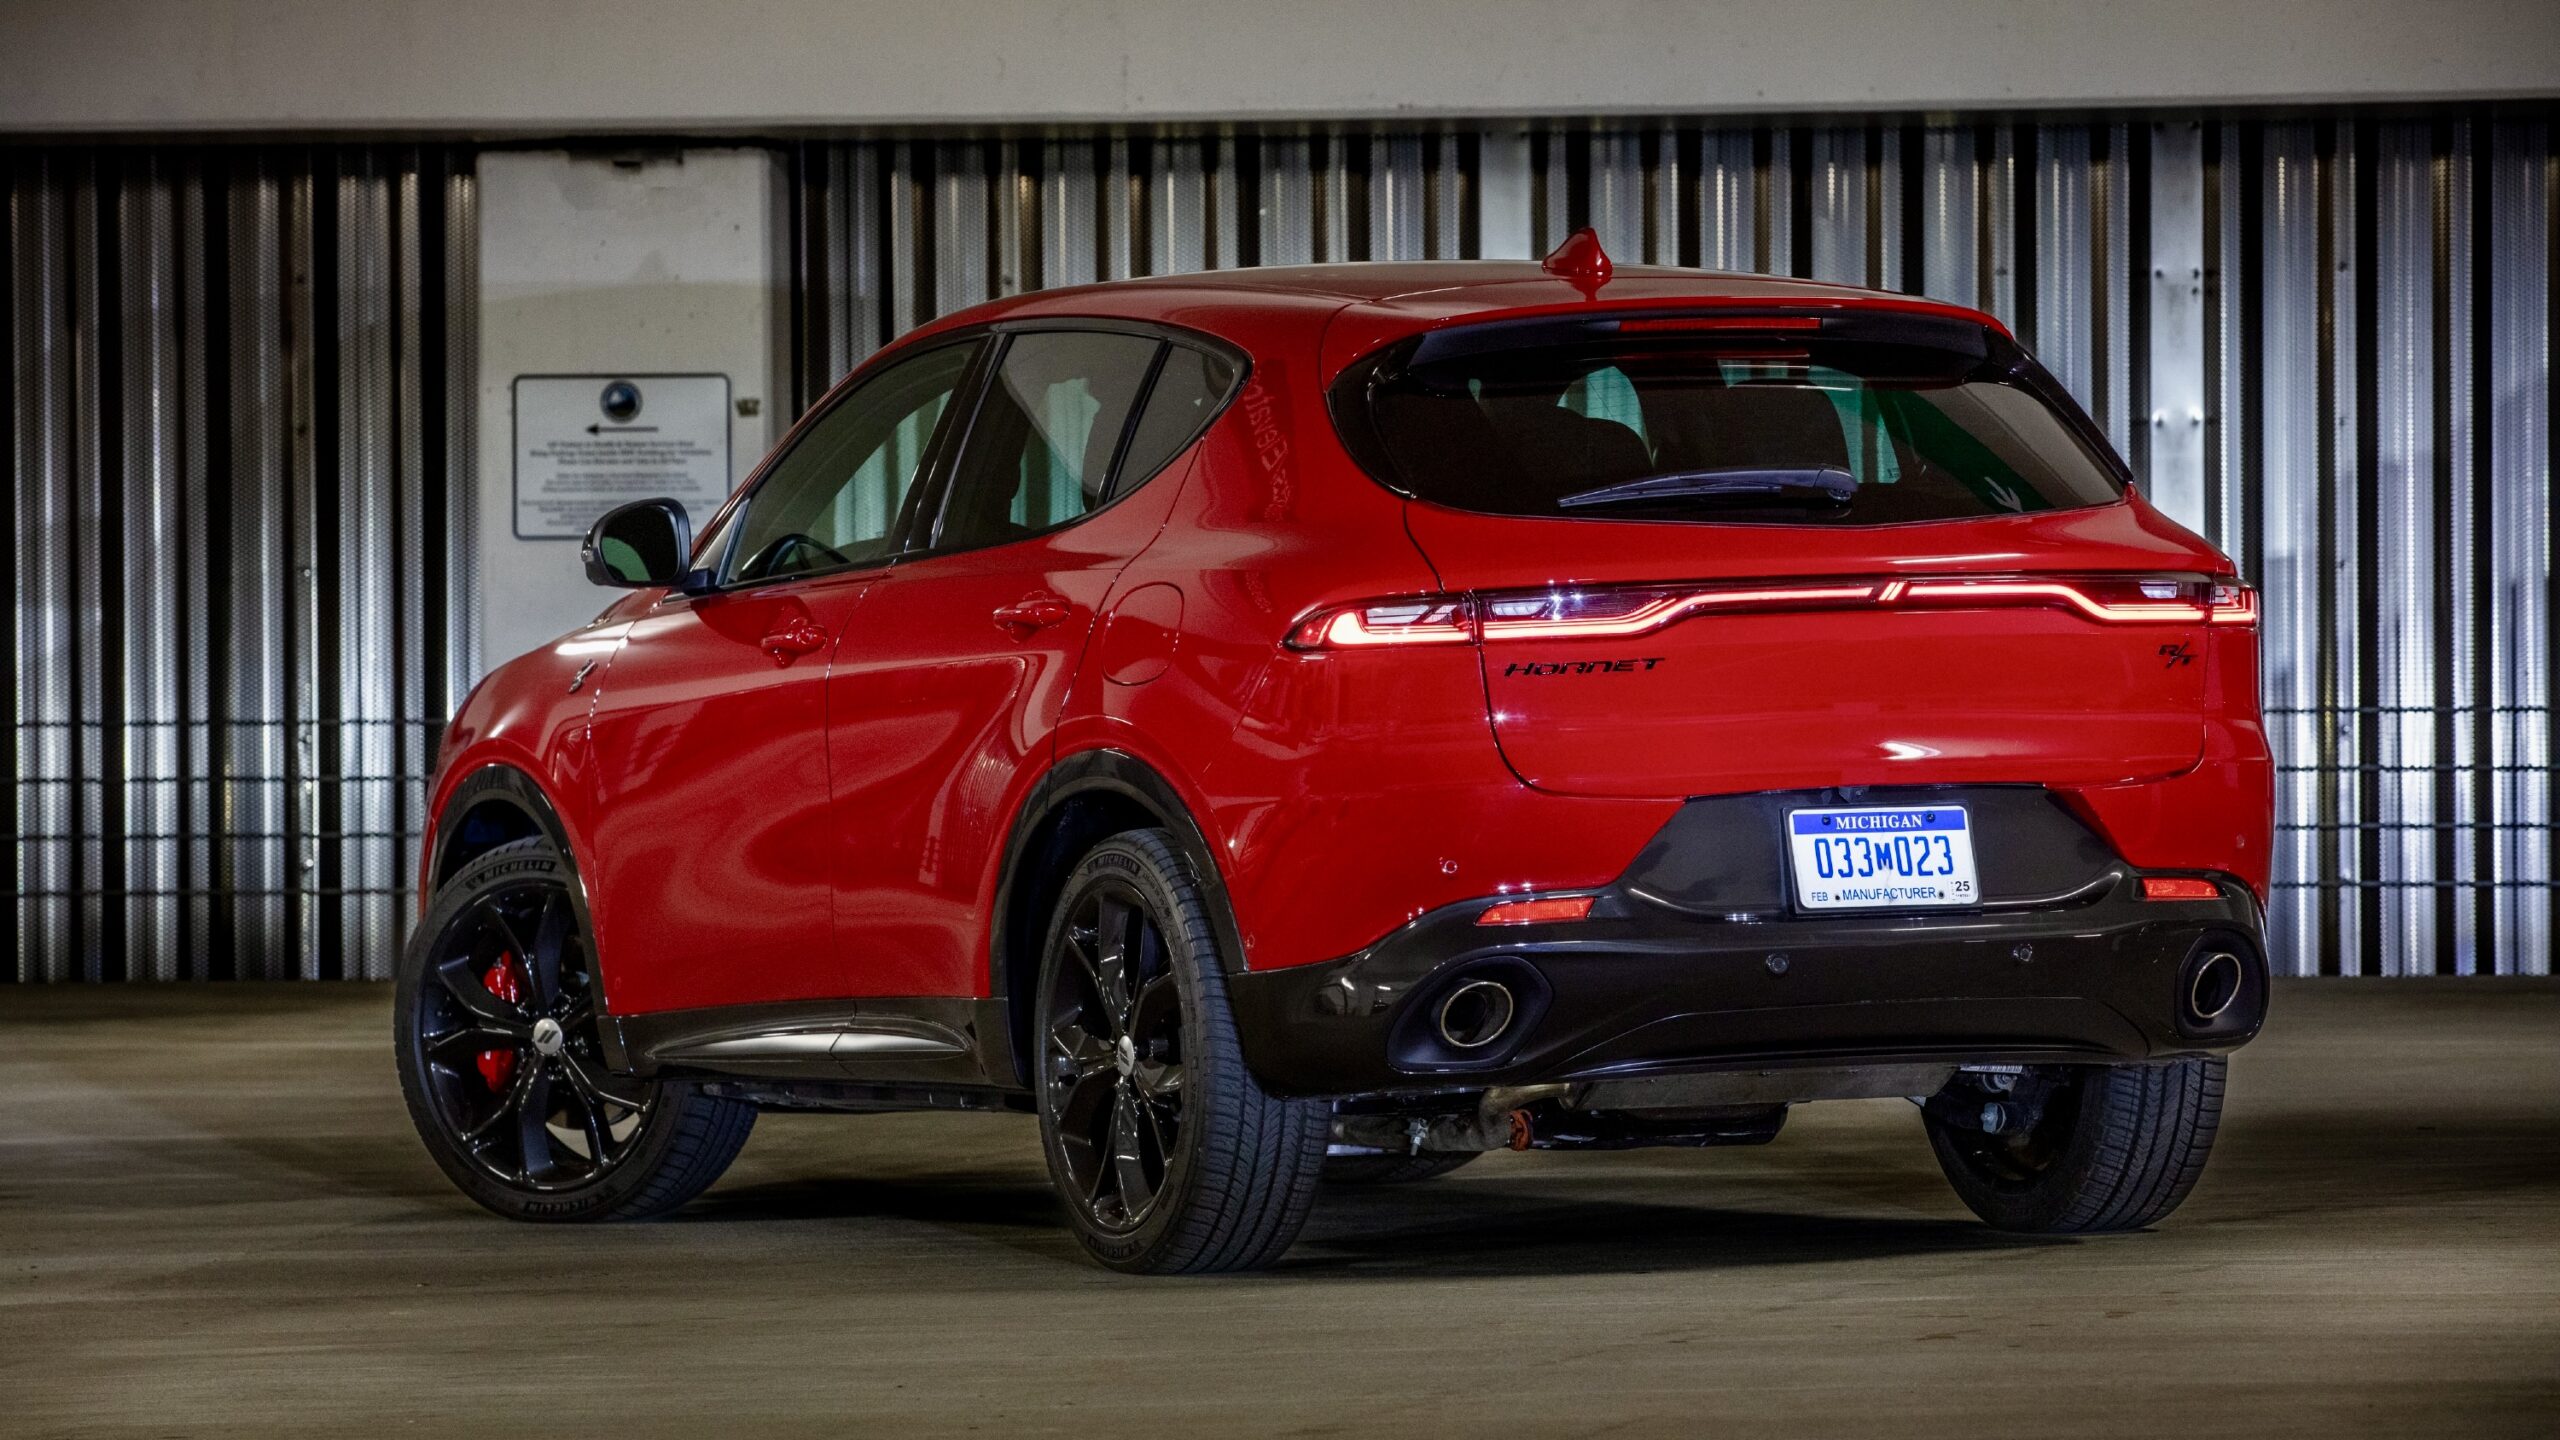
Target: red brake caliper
[{"x": 497, "y": 1067}]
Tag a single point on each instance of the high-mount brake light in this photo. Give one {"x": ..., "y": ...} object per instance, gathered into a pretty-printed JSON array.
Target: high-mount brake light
[
  {"x": 1623, "y": 612},
  {"x": 1537, "y": 912},
  {"x": 1687, "y": 324}
]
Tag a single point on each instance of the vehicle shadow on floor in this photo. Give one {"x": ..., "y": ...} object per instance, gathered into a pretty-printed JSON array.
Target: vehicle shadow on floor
[
  {"x": 1450, "y": 1229},
  {"x": 964, "y": 1200},
  {"x": 1476, "y": 1231}
]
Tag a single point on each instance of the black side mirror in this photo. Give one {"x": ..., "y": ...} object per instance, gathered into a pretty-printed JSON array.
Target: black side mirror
[{"x": 634, "y": 546}]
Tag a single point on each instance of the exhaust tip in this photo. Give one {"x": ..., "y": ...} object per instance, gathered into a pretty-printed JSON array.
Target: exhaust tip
[
  {"x": 1476, "y": 1014},
  {"x": 2214, "y": 986}
]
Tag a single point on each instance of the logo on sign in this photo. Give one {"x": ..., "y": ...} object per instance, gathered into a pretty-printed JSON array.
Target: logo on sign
[{"x": 621, "y": 402}]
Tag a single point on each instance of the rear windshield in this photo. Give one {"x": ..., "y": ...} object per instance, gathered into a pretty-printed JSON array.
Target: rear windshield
[{"x": 1922, "y": 422}]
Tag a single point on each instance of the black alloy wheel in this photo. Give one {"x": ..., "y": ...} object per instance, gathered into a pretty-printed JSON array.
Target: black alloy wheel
[
  {"x": 1167, "y": 1153},
  {"x": 508, "y": 1039},
  {"x": 498, "y": 1018},
  {"x": 1114, "y": 1033},
  {"x": 2078, "y": 1148}
]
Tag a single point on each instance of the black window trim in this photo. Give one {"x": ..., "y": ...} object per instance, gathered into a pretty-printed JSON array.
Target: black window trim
[
  {"x": 731, "y": 519},
  {"x": 1116, "y": 486},
  {"x": 932, "y": 482}
]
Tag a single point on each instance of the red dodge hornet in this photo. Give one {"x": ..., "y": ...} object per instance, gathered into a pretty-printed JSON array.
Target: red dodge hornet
[{"x": 1320, "y": 725}]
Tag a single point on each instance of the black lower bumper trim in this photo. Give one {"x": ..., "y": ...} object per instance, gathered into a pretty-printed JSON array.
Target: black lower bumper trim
[{"x": 1640, "y": 988}]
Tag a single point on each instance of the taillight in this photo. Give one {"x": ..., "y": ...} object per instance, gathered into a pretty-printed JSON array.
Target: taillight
[
  {"x": 2230, "y": 603},
  {"x": 1421, "y": 620},
  {"x": 1623, "y": 612},
  {"x": 1590, "y": 614},
  {"x": 2110, "y": 599}
]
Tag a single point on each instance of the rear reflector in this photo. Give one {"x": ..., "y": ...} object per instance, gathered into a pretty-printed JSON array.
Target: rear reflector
[
  {"x": 1537, "y": 912},
  {"x": 2161, "y": 887},
  {"x": 1620, "y": 612}
]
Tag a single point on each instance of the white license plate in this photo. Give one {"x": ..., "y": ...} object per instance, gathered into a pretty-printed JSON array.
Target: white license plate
[{"x": 1882, "y": 857}]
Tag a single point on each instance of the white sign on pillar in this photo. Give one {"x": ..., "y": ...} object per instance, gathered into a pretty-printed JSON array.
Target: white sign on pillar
[
  {"x": 587, "y": 443},
  {"x": 633, "y": 338}
]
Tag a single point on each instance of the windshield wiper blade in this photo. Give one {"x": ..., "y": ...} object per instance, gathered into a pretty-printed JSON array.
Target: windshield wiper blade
[{"x": 1805, "y": 485}]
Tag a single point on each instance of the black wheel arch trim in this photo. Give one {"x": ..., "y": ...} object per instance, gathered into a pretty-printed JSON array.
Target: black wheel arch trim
[
  {"x": 499, "y": 783},
  {"x": 495, "y": 781},
  {"x": 1119, "y": 774}
]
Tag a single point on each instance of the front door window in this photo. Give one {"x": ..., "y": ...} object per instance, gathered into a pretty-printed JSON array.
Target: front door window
[{"x": 843, "y": 494}]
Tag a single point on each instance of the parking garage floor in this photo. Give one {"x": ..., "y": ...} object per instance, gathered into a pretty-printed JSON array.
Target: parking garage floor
[{"x": 214, "y": 1220}]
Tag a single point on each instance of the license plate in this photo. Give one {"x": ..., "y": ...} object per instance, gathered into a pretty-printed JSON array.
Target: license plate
[{"x": 1877, "y": 858}]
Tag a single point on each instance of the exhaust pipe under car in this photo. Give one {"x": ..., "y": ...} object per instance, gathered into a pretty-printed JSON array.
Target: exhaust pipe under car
[
  {"x": 2214, "y": 985},
  {"x": 1476, "y": 1014}
]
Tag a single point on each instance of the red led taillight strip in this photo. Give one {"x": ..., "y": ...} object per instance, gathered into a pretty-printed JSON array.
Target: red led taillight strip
[
  {"x": 1541, "y": 617},
  {"x": 1969, "y": 594},
  {"x": 1625, "y": 612},
  {"x": 1429, "y": 620}
]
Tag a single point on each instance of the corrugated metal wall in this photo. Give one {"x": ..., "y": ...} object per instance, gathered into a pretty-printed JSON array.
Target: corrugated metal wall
[
  {"x": 238, "y": 389},
  {"x": 2325, "y": 342}
]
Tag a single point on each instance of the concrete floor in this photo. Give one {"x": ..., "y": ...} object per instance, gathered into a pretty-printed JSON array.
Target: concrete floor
[{"x": 214, "y": 1220}]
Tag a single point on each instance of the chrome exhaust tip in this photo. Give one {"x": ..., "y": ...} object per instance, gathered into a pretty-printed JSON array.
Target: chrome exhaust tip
[
  {"x": 2214, "y": 986},
  {"x": 1475, "y": 1014}
]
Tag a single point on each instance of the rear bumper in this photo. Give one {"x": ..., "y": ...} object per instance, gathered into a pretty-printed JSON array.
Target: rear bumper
[{"x": 1644, "y": 987}]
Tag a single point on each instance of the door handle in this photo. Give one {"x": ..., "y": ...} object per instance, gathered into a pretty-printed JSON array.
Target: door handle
[
  {"x": 1037, "y": 612},
  {"x": 795, "y": 639}
]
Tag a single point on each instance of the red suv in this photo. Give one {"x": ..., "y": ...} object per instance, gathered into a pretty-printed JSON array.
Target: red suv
[{"x": 1323, "y": 724}]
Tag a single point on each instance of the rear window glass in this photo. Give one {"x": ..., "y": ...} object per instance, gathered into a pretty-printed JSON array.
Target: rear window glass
[{"x": 1775, "y": 428}]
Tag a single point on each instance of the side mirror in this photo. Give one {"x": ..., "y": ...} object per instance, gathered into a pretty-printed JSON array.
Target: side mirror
[{"x": 634, "y": 546}]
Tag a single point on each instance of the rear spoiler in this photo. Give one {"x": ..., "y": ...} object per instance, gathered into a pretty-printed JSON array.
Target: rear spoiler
[{"x": 1933, "y": 327}]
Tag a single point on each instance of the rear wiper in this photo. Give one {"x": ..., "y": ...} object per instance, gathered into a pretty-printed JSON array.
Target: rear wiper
[{"x": 1808, "y": 485}]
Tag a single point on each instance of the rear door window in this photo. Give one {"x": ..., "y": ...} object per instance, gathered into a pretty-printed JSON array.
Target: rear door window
[
  {"x": 1040, "y": 451},
  {"x": 1785, "y": 427}
]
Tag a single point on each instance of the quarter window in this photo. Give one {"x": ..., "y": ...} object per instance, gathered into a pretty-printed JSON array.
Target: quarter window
[{"x": 1187, "y": 391}]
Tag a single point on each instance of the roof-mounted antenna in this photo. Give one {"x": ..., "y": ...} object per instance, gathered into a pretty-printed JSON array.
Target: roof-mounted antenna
[{"x": 1581, "y": 263}]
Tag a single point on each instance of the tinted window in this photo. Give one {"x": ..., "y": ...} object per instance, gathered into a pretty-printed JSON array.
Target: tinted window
[
  {"x": 1786, "y": 429},
  {"x": 836, "y": 498},
  {"x": 1186, "y": 393},
  {"x": 1039, "y": 452}
]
